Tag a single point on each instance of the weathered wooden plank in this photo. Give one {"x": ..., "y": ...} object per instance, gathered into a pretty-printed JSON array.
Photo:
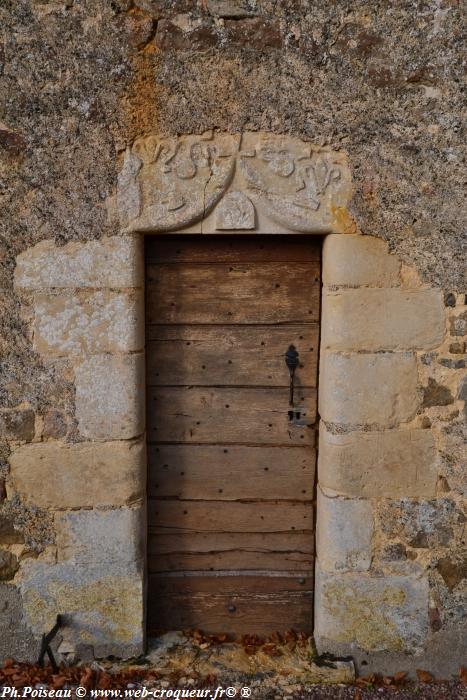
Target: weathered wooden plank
[
  {"x": 232, "y": 293},
  {"x": 206, "y": 542},
  {"x": 246, "y": 248},
  {"x": 229, "y": 584},
  {"x": 235, "y": 604},
  {"x": 230, "y": 355},
  {"x": 228, "y": 415},
  {"x": 230, "y": 473},
  {"x": 230, "y": 561},
  {"x": 290, "y": 551},
  {"x": 228, "y": 516}
]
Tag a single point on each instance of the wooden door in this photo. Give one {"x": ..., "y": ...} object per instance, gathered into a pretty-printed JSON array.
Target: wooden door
[{"x": 231, "y": 478}]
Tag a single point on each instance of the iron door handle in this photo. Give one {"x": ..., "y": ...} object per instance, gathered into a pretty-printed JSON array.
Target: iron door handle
[
  {"x": 297, "y": 417},
  {"x": 291, "y": 360}
]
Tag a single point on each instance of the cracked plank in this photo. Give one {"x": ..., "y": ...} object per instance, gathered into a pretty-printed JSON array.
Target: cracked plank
[
  {"x": 247, "y": 293},
  {"x": 174, "y": 517},
  {"x": 252, "y": 415}
]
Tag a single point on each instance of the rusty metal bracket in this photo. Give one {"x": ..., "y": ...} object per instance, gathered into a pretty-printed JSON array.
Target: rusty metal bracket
[{"x": 45, "y": 645}]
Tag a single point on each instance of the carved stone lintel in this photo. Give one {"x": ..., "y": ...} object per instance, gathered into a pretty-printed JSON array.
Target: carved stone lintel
[
  {"x": 298, "y": 184},
  {"x": 235, "y": 212},
  {"x": 175, "y": 183},
  {"x": 128, "y": 190}
]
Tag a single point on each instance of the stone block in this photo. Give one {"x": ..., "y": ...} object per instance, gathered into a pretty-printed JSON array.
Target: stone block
[
  {"x": 161, "y": 8},
  {"x": 462, "y": 395},
  {"x": 102, "y": 537},
  {"x": 177, "y": 36},
  {"x": 382, "y": 319},
  {"x": 458, "y": 325},
  {"x": 83, "y": 474},
  {"x": 137, "y": 28},
  {"x": 8, "y": 533},
  {"x": 353, "y": 260},
  {"x": 8, "y": 565},
  {"x": 17, "y": 424},
  {"x": 438, "y": 656},
  {"x": 254, "y": 33},
  {"x": 110, "y": 393},
  {"x": 378, "y": 389},
  {"x": 12, "y": 142},
  {"x": 88, "y": 322},
  {"x": 344, "y": 530},
  {"x": 422, "y": 524},
  {"x": 103, "y": 604},
  {"x": 115, "y": 262},
  {"x": 435, "y": 394},
  {"x": 358, "y": 611},
  {"x": 388, "y": 464},
  {"x": 230, "y": 8},
  {"x": 55, "y": 424},
  {"x": 458, "y": 348}
]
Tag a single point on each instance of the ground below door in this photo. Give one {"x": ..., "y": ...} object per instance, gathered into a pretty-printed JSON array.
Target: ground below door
[{"x": 231, "y": 478}]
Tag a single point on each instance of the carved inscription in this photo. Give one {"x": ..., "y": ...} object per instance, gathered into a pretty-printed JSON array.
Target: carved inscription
[
  {"x": 295, "y": 179},
  {"x": 235, "y": 212},
  {"x": 183, "y": 178},
  {"x": 171, "y": 184}
]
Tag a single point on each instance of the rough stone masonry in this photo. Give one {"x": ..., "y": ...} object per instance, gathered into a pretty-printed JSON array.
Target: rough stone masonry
[{"x": 82, "y": 85}]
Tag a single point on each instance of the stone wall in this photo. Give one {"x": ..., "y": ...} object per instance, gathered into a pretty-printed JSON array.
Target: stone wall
[
  {"x": 81, "y": 83},
  {"x": 390, "y": 575},
  {"x": 87, "y": 316},
  {"x": 389, "y": 516}
]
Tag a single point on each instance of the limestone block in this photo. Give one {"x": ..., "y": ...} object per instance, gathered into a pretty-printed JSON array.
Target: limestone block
[
  {"x": 110, "y": 262},
  {"x": 368, "y": 388},
  {"x": 344, "y": 531},
  {"x": 353, "y": 260},
  {"x": 382, "y": 319},
  {"x": 101, "y": 537},
  {"x": 357, "y": 611},
  {"x": 89, "y": 322},
  {"x": 388, "y": 464},
  {"x": 110, "y": 393},
  {"x": 104, "y": 604},
  {"x": 83, "y": 475}
]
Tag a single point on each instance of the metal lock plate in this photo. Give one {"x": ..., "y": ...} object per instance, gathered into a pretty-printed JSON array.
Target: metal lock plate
[{"x": 298, "y": 418}]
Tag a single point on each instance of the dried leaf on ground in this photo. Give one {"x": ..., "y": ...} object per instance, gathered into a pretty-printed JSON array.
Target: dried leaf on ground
[
  {"x": 271, "y": 650},
  {"x": 424, "y": 676},
  {"x": 400, "y": 677}
]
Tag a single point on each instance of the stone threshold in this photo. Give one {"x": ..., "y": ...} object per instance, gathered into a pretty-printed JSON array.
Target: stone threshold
[{"x": 181, "y": 655}]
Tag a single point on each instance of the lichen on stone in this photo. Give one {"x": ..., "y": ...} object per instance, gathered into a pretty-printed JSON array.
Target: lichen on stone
[{"x": 33, "y": 525}]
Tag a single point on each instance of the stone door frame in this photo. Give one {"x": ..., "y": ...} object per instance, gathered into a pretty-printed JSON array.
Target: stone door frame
[{"x": 376, "y": 319}]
